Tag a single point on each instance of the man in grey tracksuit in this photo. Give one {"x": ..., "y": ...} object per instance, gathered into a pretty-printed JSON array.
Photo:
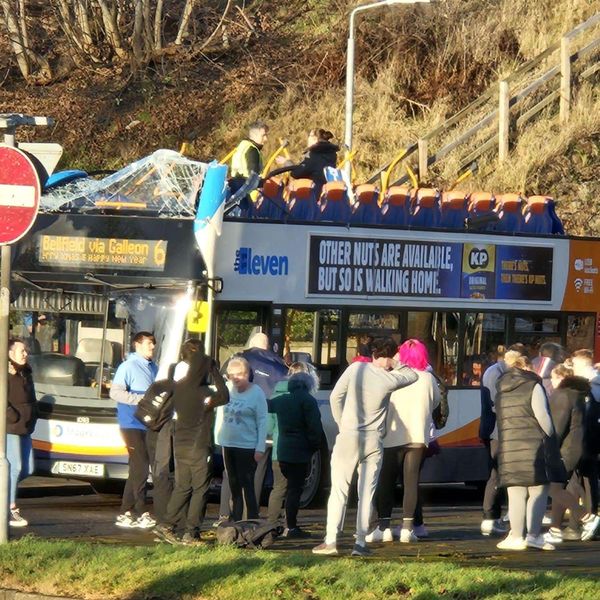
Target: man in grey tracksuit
[{"x": 359, "y": 403}]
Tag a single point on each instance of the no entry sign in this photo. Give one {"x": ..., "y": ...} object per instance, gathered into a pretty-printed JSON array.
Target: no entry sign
[{"x": 19, "y": 194}]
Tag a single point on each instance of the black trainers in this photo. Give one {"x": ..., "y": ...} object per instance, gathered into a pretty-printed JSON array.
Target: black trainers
[
  {"x": 295, "y": 533},
  {"x": 359, "y": 550}
]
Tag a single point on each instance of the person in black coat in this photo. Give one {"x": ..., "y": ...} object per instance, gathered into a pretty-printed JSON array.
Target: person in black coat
[
  {"x": 21, "y": 417},
  {"x": 526, "y": 461},
  {"x": 567, "y": 407},
  {"x": 319, "y": 154},
  {"x": 194, "y": 400},
  {"x": 297, "y": 434}
]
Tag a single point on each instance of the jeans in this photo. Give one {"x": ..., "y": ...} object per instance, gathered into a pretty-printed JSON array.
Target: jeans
[{"x": 20, "y": 460}]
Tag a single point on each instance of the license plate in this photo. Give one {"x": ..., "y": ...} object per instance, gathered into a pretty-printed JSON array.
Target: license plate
[{"x": 77, "y": 468}]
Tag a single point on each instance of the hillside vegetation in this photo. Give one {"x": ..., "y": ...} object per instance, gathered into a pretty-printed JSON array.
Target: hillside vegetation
[{"x": 285, "y": 63}]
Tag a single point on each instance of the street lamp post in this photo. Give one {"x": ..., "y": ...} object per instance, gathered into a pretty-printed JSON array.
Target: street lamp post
[{"x": 350, "y": 68}]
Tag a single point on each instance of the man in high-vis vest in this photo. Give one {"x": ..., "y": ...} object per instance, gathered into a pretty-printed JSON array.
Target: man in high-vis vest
[{"x": 247, "y": 157}]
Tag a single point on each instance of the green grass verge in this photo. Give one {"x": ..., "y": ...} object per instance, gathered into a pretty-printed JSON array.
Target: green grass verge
[{"x": 89, "y": 570}]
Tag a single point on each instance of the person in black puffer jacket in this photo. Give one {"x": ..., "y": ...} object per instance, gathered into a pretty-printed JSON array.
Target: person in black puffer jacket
[
  {"x": 527, "y": 460},
  {"x": 567, "y": 407},
  {"x": 319, "y": 154},
  {"x": 21, "y": 417}
]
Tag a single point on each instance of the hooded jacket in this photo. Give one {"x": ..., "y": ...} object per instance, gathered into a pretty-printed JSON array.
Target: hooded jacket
[
  {"x": 21, "y": 412},
  {"x": 194, "y": 398},
  {"x": 522, "y": 447},
  {"x": 318, "y": 156},
  {"x": 299, "y": 429},
  {"x": 567, "y": 406}
]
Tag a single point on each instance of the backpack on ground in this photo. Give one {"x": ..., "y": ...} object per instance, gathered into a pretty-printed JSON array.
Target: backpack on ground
[{"x": 248, "y": 534}]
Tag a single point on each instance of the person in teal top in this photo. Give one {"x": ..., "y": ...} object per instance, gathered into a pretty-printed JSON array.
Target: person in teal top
[
  {"x": 241, "y": 430},
  {"x": 295, "y": 423}
]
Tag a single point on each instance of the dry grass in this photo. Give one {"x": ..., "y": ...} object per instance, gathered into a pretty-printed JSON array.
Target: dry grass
[{"x": 415, "y": 68}]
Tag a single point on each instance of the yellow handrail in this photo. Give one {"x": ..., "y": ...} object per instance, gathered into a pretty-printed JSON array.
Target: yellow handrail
[
  {"x": 227, "y": 158},
  {"x": 385, "y": 179},
  {"x": 283, "y": 144}
]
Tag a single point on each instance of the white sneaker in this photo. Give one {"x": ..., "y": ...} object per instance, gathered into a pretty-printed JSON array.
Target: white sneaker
[
  {"x": 145, "y": 522},
  {"x": 16, "y": 520},
  {"x": 377, "y": 535},
  {"x": 407, "y": 536},
  {"x": 125, "y": 520},
  {"x": 554, "y": 536},
  {"x": 546, "y": 520},
  {"x": 493, "y": 527},
  {"x": 538, "y": 541},
  {"x": 420, "y": 531},
  {"x": 511, "y": 542},
  {"x": 589, "y": 527}
]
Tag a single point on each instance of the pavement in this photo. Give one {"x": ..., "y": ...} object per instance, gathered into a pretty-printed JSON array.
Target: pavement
[{"x": 72, "y": 510}]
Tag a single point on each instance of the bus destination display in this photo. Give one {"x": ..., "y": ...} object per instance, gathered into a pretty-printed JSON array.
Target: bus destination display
[
  {"x": 387, "y": 267},
  {"x": 113, "y": 253}
]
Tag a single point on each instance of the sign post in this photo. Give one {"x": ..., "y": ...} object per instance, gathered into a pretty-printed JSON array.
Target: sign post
[{"x": 20, "y": 191}]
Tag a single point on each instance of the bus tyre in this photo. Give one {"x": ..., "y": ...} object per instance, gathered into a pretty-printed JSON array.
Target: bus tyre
[{"x": 316, "y": 480}]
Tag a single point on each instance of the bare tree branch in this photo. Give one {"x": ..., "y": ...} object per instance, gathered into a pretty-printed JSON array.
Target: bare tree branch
[
  {"x": 218, "y": 27},
  {"x": 185, "y": 21}
]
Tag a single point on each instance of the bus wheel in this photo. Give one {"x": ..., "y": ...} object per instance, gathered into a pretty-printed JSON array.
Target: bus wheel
[{"x": 315, "y": 482}]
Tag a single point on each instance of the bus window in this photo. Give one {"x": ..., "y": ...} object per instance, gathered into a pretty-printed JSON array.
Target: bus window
[
  {"x": 313, "y": 336},
  {"x": 439, "y": 332},
  {"x": 363, "y": 327},
  {"x": 580, "y": 332},
  {"x": 484, "y": 336},
  {"x": 533, "y": 330},
  {"x": 234, "y": 329}
]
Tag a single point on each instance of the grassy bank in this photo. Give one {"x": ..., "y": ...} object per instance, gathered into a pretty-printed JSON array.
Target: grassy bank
[{"x": 105, "y": 571}]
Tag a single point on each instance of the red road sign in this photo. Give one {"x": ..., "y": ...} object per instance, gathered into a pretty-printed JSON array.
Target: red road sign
[{"x": 19, "y": 194}]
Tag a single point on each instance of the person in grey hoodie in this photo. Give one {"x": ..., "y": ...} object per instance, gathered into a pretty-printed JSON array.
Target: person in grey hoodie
[{"x": 359, "y": 404}]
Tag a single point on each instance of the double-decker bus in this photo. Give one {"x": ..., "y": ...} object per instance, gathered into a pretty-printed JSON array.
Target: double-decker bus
[
  {"x": 320, "y": 289},
  {"x": 104, "y": 260}
]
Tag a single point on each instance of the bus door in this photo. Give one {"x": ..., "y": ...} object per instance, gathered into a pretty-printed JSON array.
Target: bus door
[
  {"x": 235, "y": 325},
  {"x": 314, "y": 336}
]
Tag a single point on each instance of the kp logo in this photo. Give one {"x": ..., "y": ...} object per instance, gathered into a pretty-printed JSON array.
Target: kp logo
[
  {"x": 247, "y": 263},
  {"x": 478, "y": 258}
]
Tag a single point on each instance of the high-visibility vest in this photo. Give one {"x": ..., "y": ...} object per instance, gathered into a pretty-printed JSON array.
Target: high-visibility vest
[{"x": 239, "y": 166}]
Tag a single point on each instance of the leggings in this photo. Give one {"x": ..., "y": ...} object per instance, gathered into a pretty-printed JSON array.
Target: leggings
[
  {"x": 526, "y": 506},
  {"x": 240, "y": 465},
  {"x": 409, "y": 460}
]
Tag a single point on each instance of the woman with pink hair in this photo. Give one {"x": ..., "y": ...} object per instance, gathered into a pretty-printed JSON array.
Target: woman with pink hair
[{"x": 408, "y": 432}]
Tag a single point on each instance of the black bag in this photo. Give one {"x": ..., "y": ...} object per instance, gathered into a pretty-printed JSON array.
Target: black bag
[
  {"x": 248, "y": 534},
  {"x": 156, "y": 407}
]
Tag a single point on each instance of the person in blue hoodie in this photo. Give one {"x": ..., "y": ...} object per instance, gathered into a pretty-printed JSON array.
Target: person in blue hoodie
[{"x": 133, "y": 377}]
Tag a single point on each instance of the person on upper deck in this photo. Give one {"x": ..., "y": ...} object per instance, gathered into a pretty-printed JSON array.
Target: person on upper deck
[
  {"x": 247, "y": 157},
  {"x": 320, "y": 153}
]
